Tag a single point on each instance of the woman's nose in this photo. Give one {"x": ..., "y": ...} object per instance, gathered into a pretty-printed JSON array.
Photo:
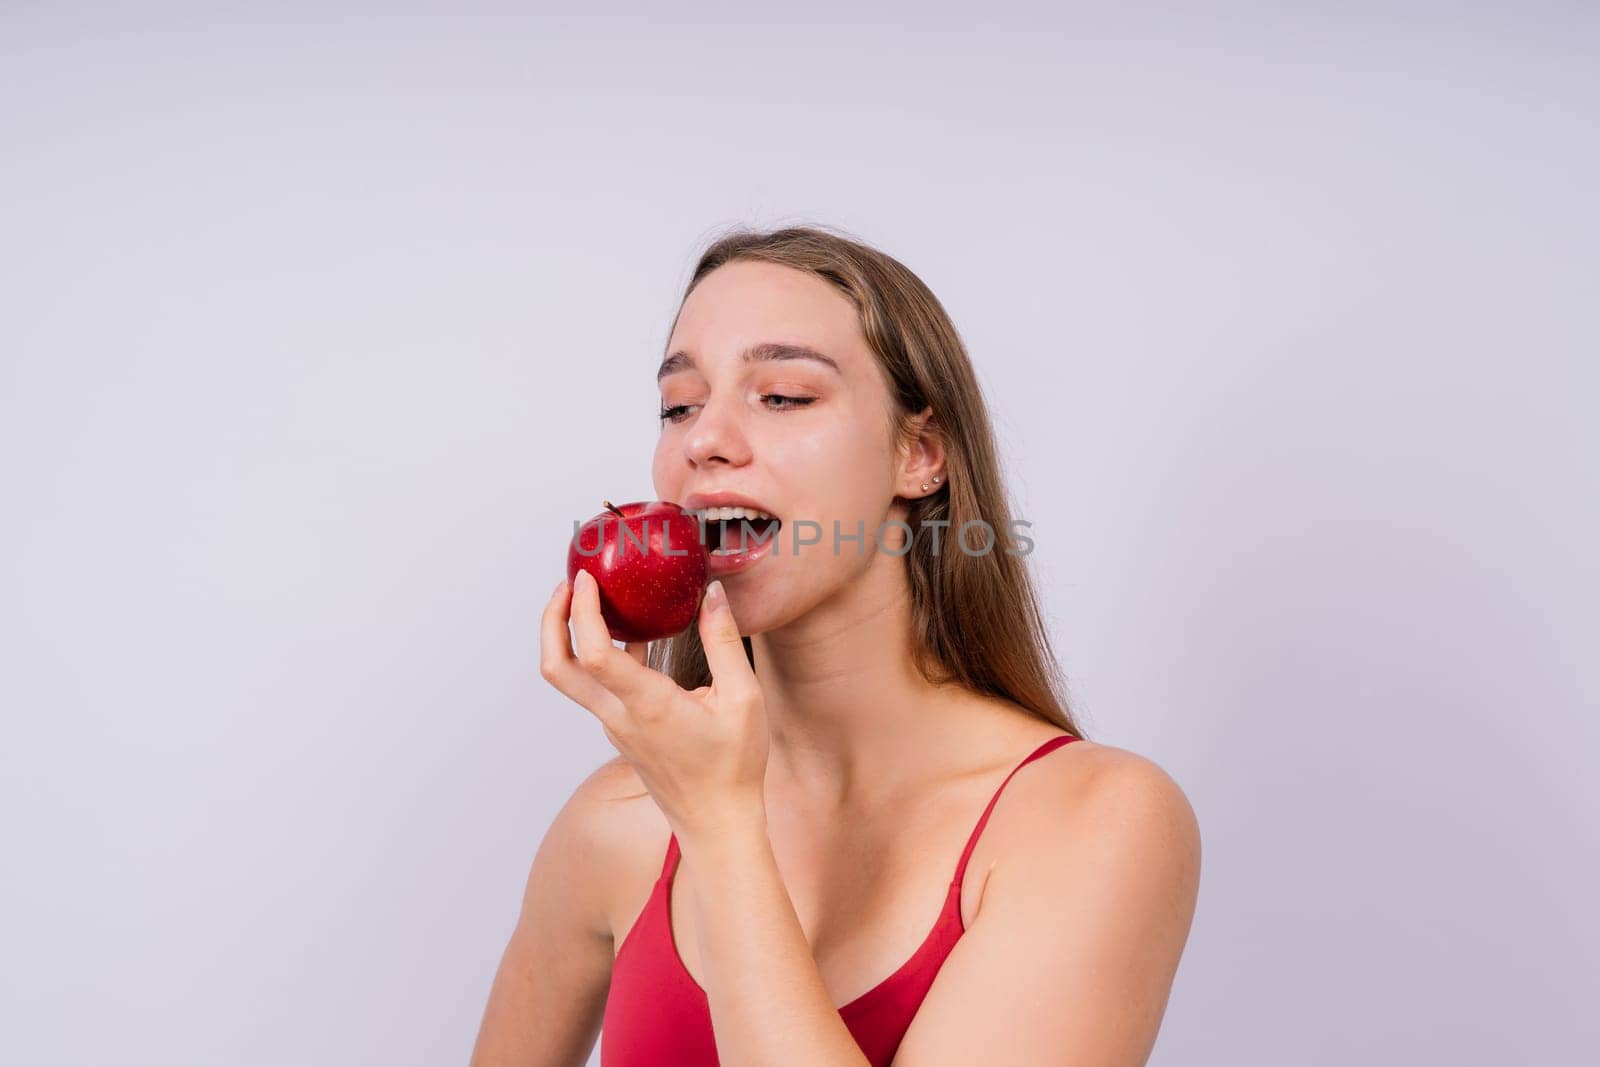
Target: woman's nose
[{"x": 717, "y": 436}]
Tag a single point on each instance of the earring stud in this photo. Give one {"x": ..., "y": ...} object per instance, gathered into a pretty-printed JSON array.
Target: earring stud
[
  {"x": 935, "y": 479},
  {"x": 924, "y": 487}
]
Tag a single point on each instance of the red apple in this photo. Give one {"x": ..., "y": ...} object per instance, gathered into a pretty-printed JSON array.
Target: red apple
[{"x": 649, "y": 560}]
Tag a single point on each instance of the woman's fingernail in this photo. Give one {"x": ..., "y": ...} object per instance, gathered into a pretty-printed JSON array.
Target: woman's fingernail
[
  {"x": 557, "y": 590},
  {"x": 716, "y": 596}
]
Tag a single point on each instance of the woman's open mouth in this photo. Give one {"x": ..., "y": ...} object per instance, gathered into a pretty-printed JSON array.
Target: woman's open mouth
[{"x": 737, "y": 536}]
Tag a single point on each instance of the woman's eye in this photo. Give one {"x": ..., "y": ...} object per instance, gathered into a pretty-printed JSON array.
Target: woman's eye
[
  {"x": 787, "y": 402},
  {"x": 772, "y": 401}
]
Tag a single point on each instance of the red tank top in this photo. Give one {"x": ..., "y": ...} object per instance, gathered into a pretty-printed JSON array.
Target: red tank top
[{"x": 657, "y": 1015}]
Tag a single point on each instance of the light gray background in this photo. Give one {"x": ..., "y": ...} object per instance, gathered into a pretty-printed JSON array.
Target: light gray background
[{"x": 318, "y": 329}]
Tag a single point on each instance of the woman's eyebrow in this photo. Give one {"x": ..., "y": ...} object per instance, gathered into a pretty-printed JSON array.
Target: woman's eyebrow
[{"x": 758, "y": 353}]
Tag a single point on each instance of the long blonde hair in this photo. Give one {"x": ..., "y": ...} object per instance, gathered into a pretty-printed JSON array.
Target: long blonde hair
[{"x": 976, "y": 617}]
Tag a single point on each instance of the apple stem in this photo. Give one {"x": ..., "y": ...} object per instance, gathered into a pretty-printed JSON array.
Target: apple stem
[{"x": 614, "y": 508}]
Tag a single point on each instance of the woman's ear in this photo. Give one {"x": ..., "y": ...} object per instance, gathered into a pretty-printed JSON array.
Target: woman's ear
[{"x": 922, "y": 468}]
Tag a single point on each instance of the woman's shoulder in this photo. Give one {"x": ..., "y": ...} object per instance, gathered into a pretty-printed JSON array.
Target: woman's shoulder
[
  {"x": 1110, "y": 770},
  {"x": 623, "y": 834},
  {"x": 1099, "y": 799},
  {"x": 1090, "y": 777},
  {"x": 611, "y": 783},
  {"x": 997, "y": 733},
  {"x": 616, "y": 810}
]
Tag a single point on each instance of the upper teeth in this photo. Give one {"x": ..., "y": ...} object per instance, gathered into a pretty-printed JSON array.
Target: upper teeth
[{"x": 724, "y": 514}]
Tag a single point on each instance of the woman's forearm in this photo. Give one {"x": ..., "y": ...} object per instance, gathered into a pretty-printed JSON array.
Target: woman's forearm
[{"x": 768, "y": 1004}]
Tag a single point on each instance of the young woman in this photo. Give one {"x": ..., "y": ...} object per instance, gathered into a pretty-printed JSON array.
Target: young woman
[{"x": 802, "y": 855}]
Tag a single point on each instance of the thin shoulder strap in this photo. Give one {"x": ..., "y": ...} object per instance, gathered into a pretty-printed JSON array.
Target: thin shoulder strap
[
  {"x": 972, "y": 842},
  {"x": 672, "y": 855}
]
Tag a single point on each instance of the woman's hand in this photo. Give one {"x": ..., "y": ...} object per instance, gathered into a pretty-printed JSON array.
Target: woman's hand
[{"x": 702, "y": 754}]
